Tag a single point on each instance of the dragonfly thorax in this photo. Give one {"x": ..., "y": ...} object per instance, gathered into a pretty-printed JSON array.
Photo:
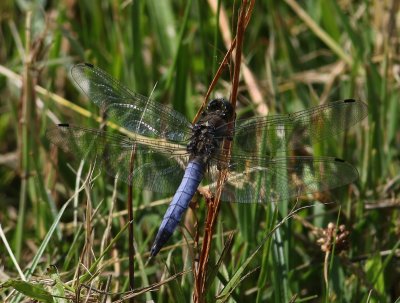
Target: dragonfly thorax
[{"x": 210, "y": 130}]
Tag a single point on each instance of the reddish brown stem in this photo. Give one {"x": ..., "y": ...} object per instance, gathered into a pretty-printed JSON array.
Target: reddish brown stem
[{"x": 213, "y": 209}]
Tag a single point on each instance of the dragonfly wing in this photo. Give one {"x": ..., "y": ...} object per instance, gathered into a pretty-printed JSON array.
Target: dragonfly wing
[
  {"x": 132, "y": 111},
  {"x": 263, "y": 180},
  {"x": 272, "y": 134},
  {"x": 157, "y": 165}
]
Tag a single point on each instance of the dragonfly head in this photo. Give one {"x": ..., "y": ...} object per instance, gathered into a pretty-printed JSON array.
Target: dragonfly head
[{"x": 222, "y": 107}]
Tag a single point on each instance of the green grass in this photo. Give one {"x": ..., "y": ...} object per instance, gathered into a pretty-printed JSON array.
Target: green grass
[{"x": 298, "y": 54}]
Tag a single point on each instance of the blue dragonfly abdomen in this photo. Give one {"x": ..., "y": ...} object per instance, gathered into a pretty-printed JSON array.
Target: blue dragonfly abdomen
[{"x": 180, "y": 202}]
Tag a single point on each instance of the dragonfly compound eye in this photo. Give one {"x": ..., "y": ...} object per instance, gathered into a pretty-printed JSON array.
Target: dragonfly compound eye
[{"x": 222, "y": 105}]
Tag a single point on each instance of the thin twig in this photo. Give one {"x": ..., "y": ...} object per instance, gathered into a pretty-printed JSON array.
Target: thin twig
[
  {"x": 213, "y": 210},
  {"x": 130, "y": 230}
]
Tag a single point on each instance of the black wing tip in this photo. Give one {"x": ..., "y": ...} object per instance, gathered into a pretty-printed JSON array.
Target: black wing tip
[
  {"x": 362, "y": 107},
  {"x": 88, "y": 64},
  {"x": 355, "y": 174},
  {"x": 63, "y": 124},
  {"x": 340, "y": 160}
]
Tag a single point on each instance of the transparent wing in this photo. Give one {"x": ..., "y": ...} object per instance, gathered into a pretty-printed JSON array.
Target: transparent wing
[
  {"x": 157, "y": 166},
  {"x": 132, "y": 111},
  {"x": 263, "y": 180},
  {"x": 273, "y": 134}
]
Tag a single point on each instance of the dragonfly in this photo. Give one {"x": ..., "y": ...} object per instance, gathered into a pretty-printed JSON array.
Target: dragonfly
[{"x": 171, "y": 155}]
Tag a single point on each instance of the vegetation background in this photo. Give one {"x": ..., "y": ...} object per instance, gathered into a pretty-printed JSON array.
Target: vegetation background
[{"x": 296, "y": 54}]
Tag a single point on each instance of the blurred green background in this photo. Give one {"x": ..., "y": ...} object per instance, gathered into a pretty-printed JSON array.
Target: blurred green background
[{"x": 296, "y": 54}]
